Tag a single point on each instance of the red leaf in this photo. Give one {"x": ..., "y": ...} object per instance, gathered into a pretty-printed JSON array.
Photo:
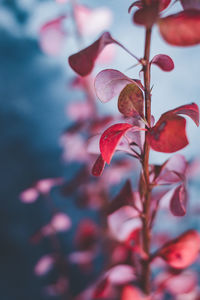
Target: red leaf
[
  {"x": 182, "y": 29},
  {"x": 130, "y": 292},
  {"x": 190, "y": 110},
  {"x": 182, "y": 251},
  {"x": 111, "y": 138},
  {"x": 100, "y": 290},
  {"x": 178, "y": 201},
  {"x": 191, "y": 4},
  {"x": 86, "y": 235},
  {"x": 131, "y": 101},
  {"x": 164, "y": 62},
  {"x": 98, "y": 166},
  {"x": 147, "y": 16},
  {"x": 109, "y": 83},
  {"x": 83, "y": 61},
  {"x": 168, "y": 135}
]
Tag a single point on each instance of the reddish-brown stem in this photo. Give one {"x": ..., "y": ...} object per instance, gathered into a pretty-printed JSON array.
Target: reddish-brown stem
[{"x": 146, "y": 185}]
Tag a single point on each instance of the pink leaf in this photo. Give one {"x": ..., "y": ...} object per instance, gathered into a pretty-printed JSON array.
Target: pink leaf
[
  {"x": 182, "y": 251},
  {"x": 52, "y": 36},
  {"x": 83, "y": 61},
  {"x": 121, "y": 274},
  {"x": 61, "y": 222},
  {"x": 173, "y": 170},
  {"x": 178, "y": 284},
  {"x": 178, "y": 201},
  {"x": 123, "y": 222},
  {"x": 191, "y": 4},
  {"x": 168, "y": 135},
  {"x": 98, "y": 166},
  {"x": 29, "y": 195},
  {"x": 90, "y": 21},
  {"x": 109, "y": 83},
  {"x": 111, "y": 138},
  {"x": 164, "y": 62},
  {"x": 44, "y": 265},
  {"x": 181, "y": 29}
]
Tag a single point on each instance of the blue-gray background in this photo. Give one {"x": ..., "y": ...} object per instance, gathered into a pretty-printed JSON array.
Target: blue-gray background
[{"x": 33, "y": 98}]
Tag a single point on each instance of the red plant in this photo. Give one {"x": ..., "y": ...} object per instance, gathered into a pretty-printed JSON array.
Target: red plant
[{"x": 131, "y": 215}]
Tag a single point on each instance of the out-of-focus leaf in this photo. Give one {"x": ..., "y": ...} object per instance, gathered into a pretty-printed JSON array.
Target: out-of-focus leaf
[
  {"x": 83, "y": 61},
  {"x": 182, "y": 251},
  {"x": 181, "y": 29}
]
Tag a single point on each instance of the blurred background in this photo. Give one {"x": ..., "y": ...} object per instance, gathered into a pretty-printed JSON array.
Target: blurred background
[{"x": 34, "y": 94}]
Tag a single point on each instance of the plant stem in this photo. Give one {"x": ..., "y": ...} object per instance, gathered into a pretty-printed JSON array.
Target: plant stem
[{"x": 146, "y": 186}]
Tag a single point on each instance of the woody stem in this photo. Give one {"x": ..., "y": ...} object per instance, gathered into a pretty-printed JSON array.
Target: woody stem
[{"x": 146, "y": 234}]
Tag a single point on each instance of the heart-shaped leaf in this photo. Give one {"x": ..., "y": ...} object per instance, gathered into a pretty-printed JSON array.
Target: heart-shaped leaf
[
  {"x": 181, "y": 29},
  {"x": 131, "y": 101}
]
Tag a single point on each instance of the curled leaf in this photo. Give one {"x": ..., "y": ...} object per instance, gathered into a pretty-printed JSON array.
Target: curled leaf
[
  {"x": 178, "y": 201},
  {"x": 191, "y": 110},
  {"x": 182, "y": 251},
  {"x": 111, "y": 138},
  {"x": 109, "y": 83},
  {"x": 83, "y": 61},
  {"x": 131, "y": 101},
  {"x": 164, "y": 62},
  {"x": 98, "y": 166},
  {"x": 181, "y": 29}
]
